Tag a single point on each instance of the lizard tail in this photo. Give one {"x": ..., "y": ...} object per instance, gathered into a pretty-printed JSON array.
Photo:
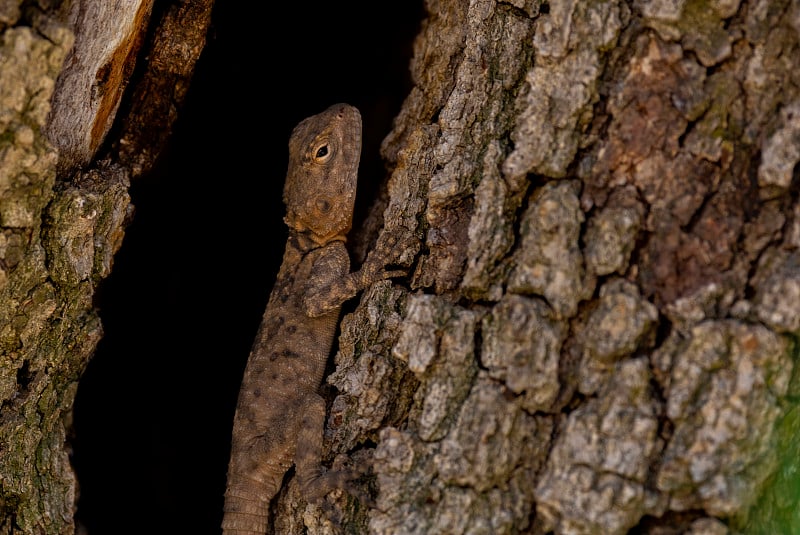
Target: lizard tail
[{"x": 246, "y": 511}]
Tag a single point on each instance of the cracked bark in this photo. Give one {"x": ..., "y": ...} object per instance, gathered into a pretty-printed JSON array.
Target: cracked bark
[{"x": 598, "y": 334}]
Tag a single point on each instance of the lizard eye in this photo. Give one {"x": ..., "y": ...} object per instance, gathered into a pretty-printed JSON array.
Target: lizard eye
[{"x": 323, "y": 153}]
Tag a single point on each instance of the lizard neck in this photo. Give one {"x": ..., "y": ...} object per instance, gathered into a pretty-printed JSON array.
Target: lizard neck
[{"x": 307, "y": 241}]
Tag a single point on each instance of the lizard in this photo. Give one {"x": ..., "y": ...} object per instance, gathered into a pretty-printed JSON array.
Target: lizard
[{"x": 280, "y": 415}]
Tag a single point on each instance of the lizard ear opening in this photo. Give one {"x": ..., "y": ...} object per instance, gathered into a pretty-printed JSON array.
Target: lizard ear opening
[{"x": 322, "y": 205}]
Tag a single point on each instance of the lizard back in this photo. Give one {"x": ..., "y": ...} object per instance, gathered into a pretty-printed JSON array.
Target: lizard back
[{"x": 278, "y": 401}]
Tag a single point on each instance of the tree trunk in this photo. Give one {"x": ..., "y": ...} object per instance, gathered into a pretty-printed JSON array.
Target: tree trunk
[
  {"x": 64, "y": 206},
  {"x": 598, "y": 334},
  {"x": 598, "y": 331}
]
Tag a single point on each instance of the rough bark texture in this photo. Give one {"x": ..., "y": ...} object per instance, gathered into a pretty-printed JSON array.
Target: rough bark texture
[
  {"x": 599, "y": 334},
  {"x": 64, "y": 67}
]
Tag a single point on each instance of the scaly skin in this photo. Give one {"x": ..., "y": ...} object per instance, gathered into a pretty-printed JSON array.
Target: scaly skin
[{"x": 280, "y": 415}]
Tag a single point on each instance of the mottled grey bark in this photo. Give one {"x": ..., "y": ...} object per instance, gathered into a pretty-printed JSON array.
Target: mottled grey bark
[
  {"x": 599, "y": 331},
  {"x": 63, "y": 69}
]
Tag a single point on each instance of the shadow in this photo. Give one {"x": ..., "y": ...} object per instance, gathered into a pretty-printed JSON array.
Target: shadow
[{"x": 154, "y": 408}]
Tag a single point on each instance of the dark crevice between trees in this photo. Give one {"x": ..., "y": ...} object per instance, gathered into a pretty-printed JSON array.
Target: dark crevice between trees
[{"x": 180, "y": 310}]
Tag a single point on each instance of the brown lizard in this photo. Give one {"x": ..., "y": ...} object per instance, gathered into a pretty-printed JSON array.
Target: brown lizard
[{"x": 280, "y": 415}]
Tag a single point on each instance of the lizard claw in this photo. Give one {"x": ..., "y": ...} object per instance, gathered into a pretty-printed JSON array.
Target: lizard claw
[
  {"x": 316, "y": 489},
  {"x": 398, "y": 247},
  {"x": 395, "y": 249}
]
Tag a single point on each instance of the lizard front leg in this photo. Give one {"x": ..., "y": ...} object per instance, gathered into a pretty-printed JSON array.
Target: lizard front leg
[{"x": 327, "y": 293}]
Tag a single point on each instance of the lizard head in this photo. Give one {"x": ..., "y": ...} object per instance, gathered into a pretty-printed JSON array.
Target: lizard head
[{"x": 320, "y": 189}]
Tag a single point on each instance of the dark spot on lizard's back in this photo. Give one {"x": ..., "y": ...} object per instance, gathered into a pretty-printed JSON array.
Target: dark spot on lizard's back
[
  {"x": 257, "y": 392},
  {"x": 295, "y": 406},
  {"x": 246, "y": 413},
  {"x": 282, "y": 287},
  {"x": 291, "y": 328},
  {"x": 273, "y": 355},
  {"x": 273, "y": 326},
  {"x": 283, "y": 295},
  {"x": 288, "y": 353}
]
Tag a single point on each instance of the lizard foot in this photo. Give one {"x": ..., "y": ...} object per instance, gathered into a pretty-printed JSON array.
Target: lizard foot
[{"x": 316, "y": 489}]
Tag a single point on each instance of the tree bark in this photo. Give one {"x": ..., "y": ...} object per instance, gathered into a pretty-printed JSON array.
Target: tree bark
[
  {"x": 598, "y": 331},
  {"x": 64, "y": 206}
]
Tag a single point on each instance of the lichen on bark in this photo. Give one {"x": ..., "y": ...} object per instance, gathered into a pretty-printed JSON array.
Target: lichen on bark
[
  {"x": 724, "y": 387},
  {"x": 36, "y": 320}
]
